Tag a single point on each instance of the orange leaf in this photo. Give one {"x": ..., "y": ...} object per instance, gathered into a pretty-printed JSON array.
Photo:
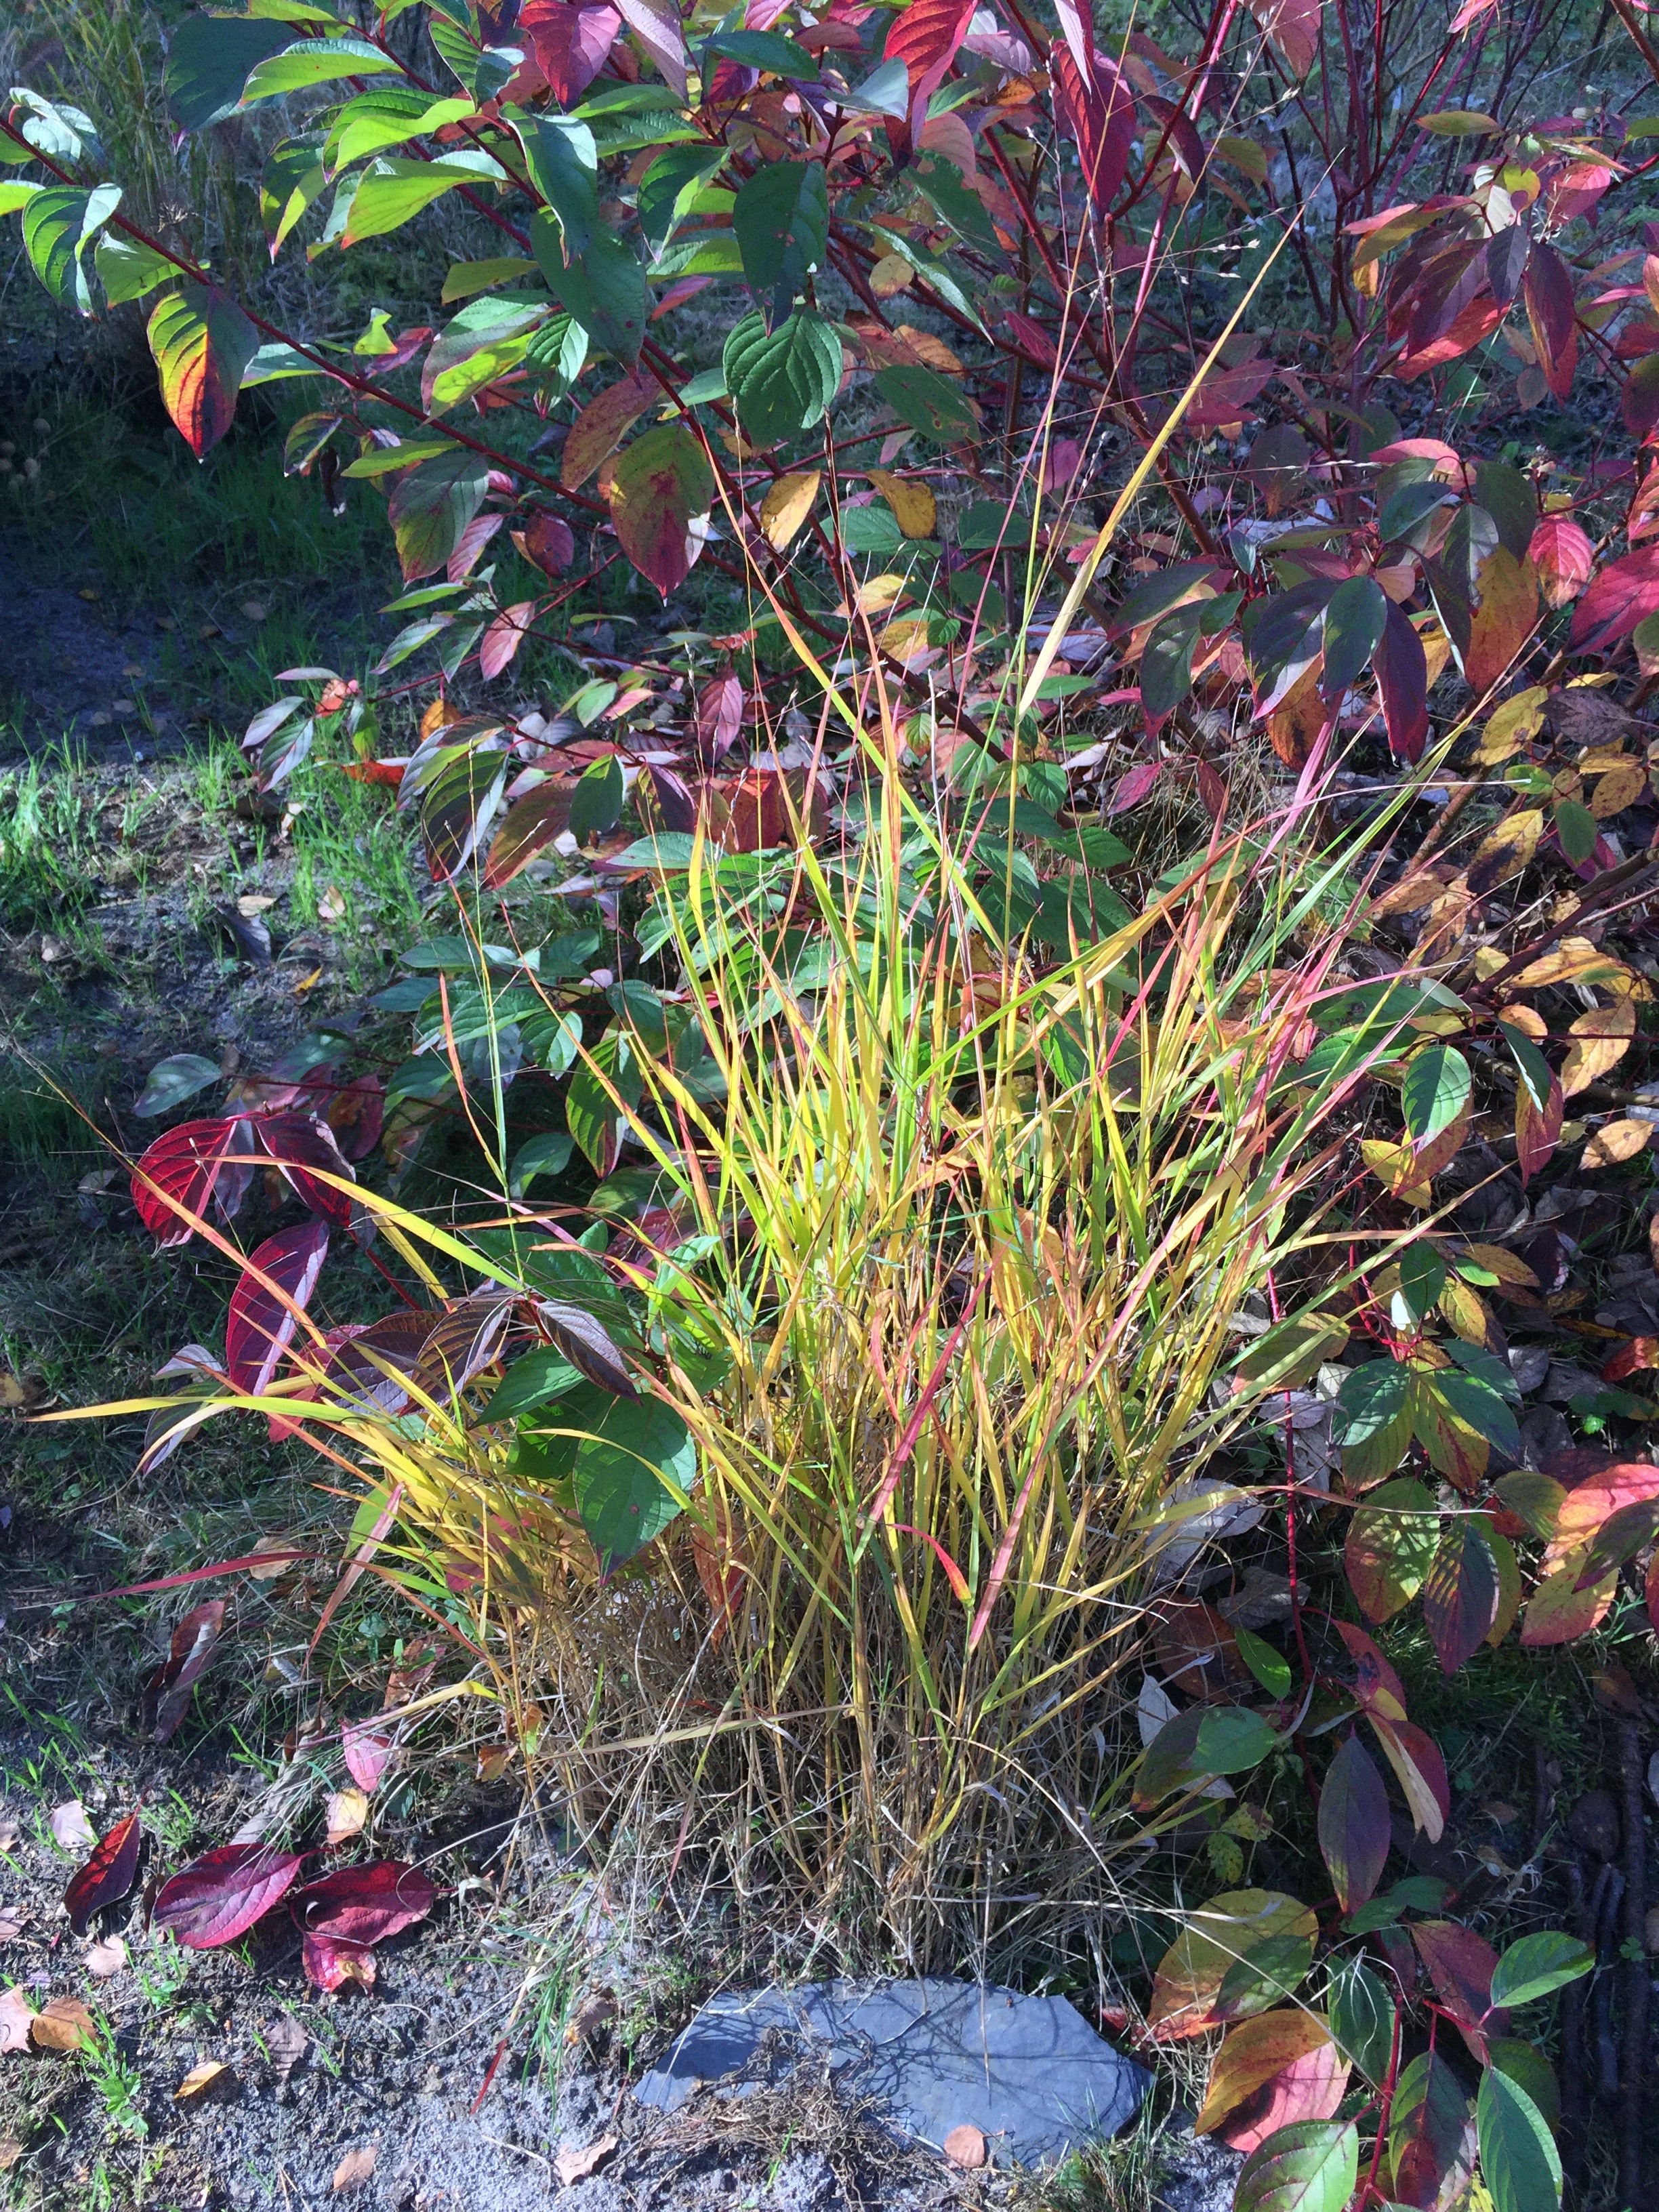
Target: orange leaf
[{"x": 1270, "y": 2071}]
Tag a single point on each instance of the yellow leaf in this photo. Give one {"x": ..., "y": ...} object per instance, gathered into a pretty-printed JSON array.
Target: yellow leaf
[
  {"x": 933, "y": 351},
  {"x": 1602, "y": 1036},
  {"x": 1619, "y": 787},
  {"x": 903, "y": 638},
  {"x": 1503, "y": 1264},
  {"x": 201, "y": 2080},
  {"x": 1574, "y": 960},
  {"x": 1506, "y": 851},
  {"x": 1468, "y": 1312},
  {"x": 1514, "y": 724},
  {"x": 1257, "y": 2049},
  {"x": 913, "y": 504},
  {"x": 786, "y": 507},
  {"x": 1617, "y": 1141},
  {"x": 880, "y": 593},
  {"x": 892, "y": 274},
  {"x": 345, "y": 1812}
]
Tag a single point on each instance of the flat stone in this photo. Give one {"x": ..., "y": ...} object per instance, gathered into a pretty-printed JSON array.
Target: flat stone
[{"x": 1029, "y": 2072}]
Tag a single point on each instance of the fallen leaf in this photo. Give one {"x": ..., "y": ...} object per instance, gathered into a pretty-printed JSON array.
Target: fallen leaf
[
  {"x": 18, "y": 1395},
  {"x": 965, "y": 2146},
  {"x": 1615, "y": 1141},
  {"x": 573, "y": 2166},
  {"x": 8, "y": 1834},
  {"x": 354, "y": 2167},
  {"x": 16, "y": 2017},
  {"x": 252, "y": 902},
  {"x": 166, "y": 1694},
  {"x": 596, "y": 2012},
  {"x": 333, "y": 1964},
  {"x": 70, "y": 1827},
  {"x": 307, "y": 983},
  {"x": 367, "y": 1752},
  {"x": 345, "y": 1812},
  {"x": 108, "y": 1876},
  {"x": 65, "y": 2025},
  {"x": 281, "y": 1549},
  {"x": 11, "y": 1923},
  {"x": 287, "y": 2043},
  {"x": 107, "y": 1956},
  {"x": 332, "y": 906},
  {"x": 211, "y": 2076},
  {"x": 10, "y": 2151},
  {"x": 255, "y": 610}
]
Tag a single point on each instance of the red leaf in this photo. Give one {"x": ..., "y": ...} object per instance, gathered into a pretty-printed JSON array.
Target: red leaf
[
  {"x": 1622, "y": 595},
  {"x": 1133, "y": 786},
  {"x": 1548, "y": 290},
  {"x": 1652, "y": 1593},
  {"x": 504, "y": 637},
  {"x": 108, "y": 1874},
  {"x": 202, "y": 342},
  {"x": 546, "y": 542},
  {"x": 331, "y": 1964},
  {"x": 661, "y": 497},
  {"x": 1432, "y": 2136},
  {"x": 925, "y": 37},
  {"x": 1293, "y": 26},
  {"x": 570, "y": 44},
  {"x": 1564, "y": 557},
  {"x": 364, "y": 1904},
  {"x": 1402, "y": 681},
  {"x": 260, "y": 1327},
  {"x": 1353, "y": 1824},
  {"x": 182, "y": 1166},
  {"x": 1099, "y": 117},
  {"x": 218, "y": 1897},
  {"x": 167, "y": 1693},
  {"x": 355, "y": 1115},
  {"x": 1461, "y": 1964},
  {"x": 602, "y": 425},
  {"x": 1536, "y": 1130},
  {"x": 299, "y": 1142},
  {"x": 368, "y": 1753},
  {"x": 719, "y": 716},
  {"x": 1378, "y": 1688},
  {"x": 1269, "y": 2071},
  {"x": 1420, "y": 1771},
  {"x": 1460, "y": 1597}
]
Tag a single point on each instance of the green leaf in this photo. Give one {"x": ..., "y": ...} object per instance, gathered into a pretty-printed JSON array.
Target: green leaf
[
  {"x": 208, "y": 58},
  {"x": 784, "y": 380},
  {"x": 1354, "y": 619},
  {"x": 1291, "y": 1352},
  {"x": 1310, "y": 2167},
  {"x": 126, "y": 269},
  {"x": 202, "y": 342},
  {"x": 1392, "y": 1541},
  {"x": 563, "y": 165},
  {"x": 557, "y": 354},
  {"x": 1577, "y": 829},
  {"x": 483, "y": 341},
  {"x": 596, "y": 805},
  {"x": 389, "y": 116},
  {"x": 1535, "y": 1068},
  {"x": 544, "y": 1155},
  {"x": 1437, "y": 1089},
  {"x": 604, "y": 291},
  {"x": 669, "y": 187},
  {"x": 929, "y": 403},
  {"x": 293, "y": 179},
  {"x": 59, "y": 223},
  {"x": 1519, "y": 2161},
  {"x": 391, "y": 191},
  {"x": 1361, "y": 2012},
  {"x": 530, "y": 1382},
  {"x": 1166, "y": 665},
  {"x": 17, "y": 193},
  {"x": 313, "y": 61},
  {"x": 1536, "y": 1964},
  {"x": 1231, "y": 1740},
  {"x": 764, "y": 49},
  {"x": 1422, "y": 1278},
  {"x": 962, "y": 208},
  {"x": 431, "y": 504},
  {"x": 173, "y": 1080},
  {"x": 660, "y": 496},
  {"x": 632, "y": 1476},
  {"x": 1270, "y": 1668},
  {"x": 781, "y": 223},
  {"x": 1475, "y": 1402}
]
